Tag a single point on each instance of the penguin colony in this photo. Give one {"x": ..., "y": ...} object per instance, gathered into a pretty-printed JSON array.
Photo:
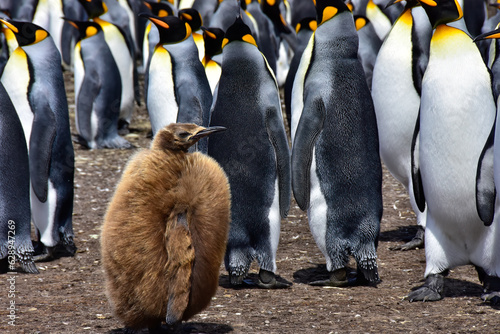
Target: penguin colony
[{"x": 413, "y": 85}]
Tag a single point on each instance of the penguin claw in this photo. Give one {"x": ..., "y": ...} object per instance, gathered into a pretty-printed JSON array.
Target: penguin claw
[
  {"x": 431, "y": 291},
  {"x": 491, "y": 297},
  {"x": 415, "y": 243}
]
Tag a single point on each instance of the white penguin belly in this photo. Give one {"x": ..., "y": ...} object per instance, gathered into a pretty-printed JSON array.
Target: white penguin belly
[
  {"x": 43, "y": 216},
  {"x": 123, "y": 60},
  {"x": 298, "y": 87},
  {"x": 275, "y": 224},
  {"x": 79, "y": 73},
  {"x": 452, "y": 136},
  {"x": 317, "y": 212},
  {"x": 395, "y": 100},
  {"x": 162, "y": 105},
  {"x": 16, "y": 78},
  {"x": 213, "y": 71}
]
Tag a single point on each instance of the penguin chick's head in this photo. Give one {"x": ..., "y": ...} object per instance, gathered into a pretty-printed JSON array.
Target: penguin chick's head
[
  {"x": 94, "y": 8},
  {"x": 192, "y": 17},
  {"x": 326, "y": 9},
  {"x": 238, "y": 31},
  {"x": 26, "y": 33},
  {"x": 85, "y": 28},
  {"x": 171, "y": 28},
  {"x": 442, "y": 11},
  {"x": 181, "y": 136}
]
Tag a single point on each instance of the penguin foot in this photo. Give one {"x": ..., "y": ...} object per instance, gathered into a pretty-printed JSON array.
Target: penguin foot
[
  {"x": 29, "y": 267},
  {"x": 338, "y": 278},
  {"x": 267, "y": 280},
  {"x": 123, "y": 127},
  {"x": 236, "y": 280},
  {"x": 431, "y": 291},
  {"x": 115, "y": 142},
  {"x": 415, "y": 243},
  {"x": 491, "y": 285},
  {"x": 47, "y": 254}
]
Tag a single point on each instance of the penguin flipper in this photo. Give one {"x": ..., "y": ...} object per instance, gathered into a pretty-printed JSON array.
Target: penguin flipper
[
  {"x": 418, "y": 189},
  {"x": 180, "y": 253},
  {"x": 89, "y": 89},
  {"x": 485, "y": 183},
  {"x": 277, "y": 135},
  {"x": 308, "y": 129},
  {"x": 42, "y": 137}
]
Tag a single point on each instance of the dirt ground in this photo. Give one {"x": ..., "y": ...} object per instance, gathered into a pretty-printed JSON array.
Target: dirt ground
[{"x": 68, "y": 295}]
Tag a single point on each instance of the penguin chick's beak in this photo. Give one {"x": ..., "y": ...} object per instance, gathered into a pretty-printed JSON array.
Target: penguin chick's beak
[{"x": 208, "y": 131}]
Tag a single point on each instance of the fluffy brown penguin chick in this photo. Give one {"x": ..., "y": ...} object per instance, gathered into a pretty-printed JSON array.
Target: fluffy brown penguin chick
[{"x": 165, "y": 231}]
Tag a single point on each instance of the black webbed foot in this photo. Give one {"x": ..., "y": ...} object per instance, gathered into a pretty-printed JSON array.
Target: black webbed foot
[{"x": 432, "y": 290}]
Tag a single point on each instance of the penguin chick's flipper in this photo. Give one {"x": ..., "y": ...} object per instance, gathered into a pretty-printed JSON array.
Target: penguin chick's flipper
[
  {"x": 180, "y": 253},
  {"x": 338, "y": 278},
  {"x": 27, "y": 263},
  {"x": 415, "y": 243},
  {"x": 277, "y": 136},
  {"x": 42, "y": 137},
  {"x": 267, "y": 280},
  {"x": 485, "y": 183},
  {"x": 308, "y": 129},
  {"x": 418, "y": 189},
  {"x": 431, "y": 291}
]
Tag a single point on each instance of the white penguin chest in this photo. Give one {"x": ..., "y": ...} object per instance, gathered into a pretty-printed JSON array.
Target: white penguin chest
[
  {"x": 161, "y": 103},
  {"x": 16, "y": 79}
]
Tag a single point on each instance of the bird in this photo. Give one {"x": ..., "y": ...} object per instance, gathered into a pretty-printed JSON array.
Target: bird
[
  {"x": 97, "y": 89},
  {"x": 165, "y": 231},
  {"x": 34, "y": 81},
  {"x": 15, "y": 216},
  {"x": 212, "y": 59},
  {"x": 336, "y": 167},
  {"x": 255, "y": 154},
  {"x": 177, "y": 86},
  {"x": 452, "y": 170},
  {"x": 397, "y": 84}
]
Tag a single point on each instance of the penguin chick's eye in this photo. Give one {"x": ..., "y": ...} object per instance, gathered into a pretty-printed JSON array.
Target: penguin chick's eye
[{"x": 184, "y": 135}]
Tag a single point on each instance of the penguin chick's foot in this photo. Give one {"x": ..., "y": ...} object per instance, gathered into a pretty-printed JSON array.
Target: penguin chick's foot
[
  {"x": 267, "y": 280},
  {"x": 431, "y": 291},
  {"x": 338, "y": 278},
  {"x": 415, "y": 243}
]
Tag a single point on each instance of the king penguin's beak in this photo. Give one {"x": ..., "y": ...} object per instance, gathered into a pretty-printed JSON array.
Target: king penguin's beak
[{"x": 208, "y": 131}]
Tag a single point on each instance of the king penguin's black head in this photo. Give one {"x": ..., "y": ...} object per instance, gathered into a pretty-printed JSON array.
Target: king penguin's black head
[
  {"x": 238, "y": 31},
  {"x": 307, "y": 23},
  {"x": 213, "y": 40},
  {"x": 160, "y": 9},
  {"x": 442, "y": 11},
  {"x": 171, "y": 28},
  {"x": 272, "y": 9},
  {"x": 192, "y": 17},
  {"x": 26, "y": 33},
  {"x": 181, "y": 136},
  {"x": 94, "y": 8},
  {"x": 85, "y": 28},
  {"x": 326, "y": 9}
]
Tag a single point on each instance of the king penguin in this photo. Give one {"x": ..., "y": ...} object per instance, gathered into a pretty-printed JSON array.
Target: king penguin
[
  {"x": 165, "y": 231},
  {"x": 453, "y": 173},
  {"x": 34, "y": 81},
  {"x": 397, "y": 84},
  {"x": 15, "y": 217},
  {"x": 123, "y": 53},
  {"x": 97, "y": 89},
  {"x": 212, "y": 60},
  {"x": 254, "y": 153},
  {"x": 177, "y": 86},
  {"x": 195, "y": 21},
  {"x": 336, "y": 168}
]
